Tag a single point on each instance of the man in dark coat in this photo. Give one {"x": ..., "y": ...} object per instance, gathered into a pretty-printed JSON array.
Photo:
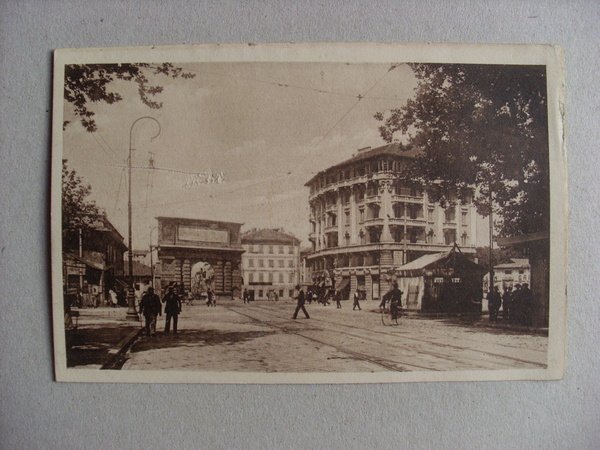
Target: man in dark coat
[
  {"x": 526, "y": 301},
  {"x": 300, "y": 303},
  {"x": 516, "y": 305},
  {"x": 338, "y": 298},
  {"x": 356, "y": 304},
  {"x": 507, "y": 304},
  {"x": 494, "y": 300},
  {"x": 150, "y": 308},
  {"x": 211, "y": 300},
  {"x": 395, "y": 298},
  {"x": 172, "y": 309}
]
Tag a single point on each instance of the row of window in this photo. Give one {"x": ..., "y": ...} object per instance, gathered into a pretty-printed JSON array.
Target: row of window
[
  {"x": 384, "y": 165},
  {"x": 414, "y": 212},
  {"x": 281, "y": 249},
  {"x": 260, "y": 293},
  {"x": 270, "y": 263},
  {"x": 414, "y": 235},
  {"x": 270, "y": 277}
]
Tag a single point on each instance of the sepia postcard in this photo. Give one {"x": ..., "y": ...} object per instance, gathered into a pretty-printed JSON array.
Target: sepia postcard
[{"x": 309, "y": 213}]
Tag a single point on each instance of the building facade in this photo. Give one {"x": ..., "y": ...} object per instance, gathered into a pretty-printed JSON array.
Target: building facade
[
  {"x": 517, "y": 271},
  {"x": 199, "y": 254},
  {"x": 365, "y": 223},
  {"x": 93, "y": 262},
  {"x": 270, "y": 263}
]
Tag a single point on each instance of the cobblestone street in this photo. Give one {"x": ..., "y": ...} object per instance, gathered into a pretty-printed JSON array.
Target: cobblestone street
[{"x": 262, "y": 337}]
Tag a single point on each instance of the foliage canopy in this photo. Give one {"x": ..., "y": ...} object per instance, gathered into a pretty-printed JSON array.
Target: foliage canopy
[
  {"x": 86, "y": 84},
  {"x": 479, "y": 128}
]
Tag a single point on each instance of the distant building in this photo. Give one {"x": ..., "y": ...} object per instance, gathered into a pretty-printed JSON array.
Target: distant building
[
  {"x": 517, "y": 271},
  {"x": 93, "y": 262},
  {"x": 365, "y": 223},
  {"x": 199, "y": 254},
  {"x": 270, "y": 262},
  {"x": 141, "y": 256}
]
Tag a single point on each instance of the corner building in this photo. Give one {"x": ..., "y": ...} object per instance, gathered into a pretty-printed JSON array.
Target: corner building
[{"x": 364, "y": 223}]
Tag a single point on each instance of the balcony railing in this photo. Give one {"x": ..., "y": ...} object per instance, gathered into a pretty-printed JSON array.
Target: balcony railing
[
  {"x": 417, "y": 222},
  {"x": 372, "y": 221}
]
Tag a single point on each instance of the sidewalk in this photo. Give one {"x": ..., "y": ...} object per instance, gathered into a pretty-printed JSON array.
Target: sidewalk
[{"x": 99, "y": 334}]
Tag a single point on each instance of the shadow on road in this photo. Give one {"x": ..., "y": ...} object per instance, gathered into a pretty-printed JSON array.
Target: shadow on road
[
  {"x": 192, "y": 338},
  {"x": 90, "y": 345}
]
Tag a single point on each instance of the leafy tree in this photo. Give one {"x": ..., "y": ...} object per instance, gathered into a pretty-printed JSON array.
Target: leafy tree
[
  {"x": 86, "y": 84},
  {"x": 482, "y": 131},
  {"x": 78, "y": 211}
]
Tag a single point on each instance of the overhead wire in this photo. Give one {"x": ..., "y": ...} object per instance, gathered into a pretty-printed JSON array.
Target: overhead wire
[
  {"x": 359, "y": 98},
  {"x": 114, "y": 210}
]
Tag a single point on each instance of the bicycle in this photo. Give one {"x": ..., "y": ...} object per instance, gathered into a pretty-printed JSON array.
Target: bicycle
[{"x": 390, "y": 316}]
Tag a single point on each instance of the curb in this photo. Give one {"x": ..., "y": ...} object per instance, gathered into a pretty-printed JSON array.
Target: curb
[{"x": 116, "y": 353}]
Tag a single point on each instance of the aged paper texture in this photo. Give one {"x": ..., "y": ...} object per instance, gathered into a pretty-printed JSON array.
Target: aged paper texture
[{"x": 309, "y": 213}]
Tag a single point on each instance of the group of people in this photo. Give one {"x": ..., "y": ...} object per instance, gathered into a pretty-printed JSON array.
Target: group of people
[
  {"x": 393, "y": 297},
  {"x": 324, "y": 295},
  {"x": 516, "y": 304},
  {"x": 151, "y": 308}
]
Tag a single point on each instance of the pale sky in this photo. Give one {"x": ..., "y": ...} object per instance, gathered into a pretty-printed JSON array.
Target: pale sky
[{"x": 269, "y": 127}]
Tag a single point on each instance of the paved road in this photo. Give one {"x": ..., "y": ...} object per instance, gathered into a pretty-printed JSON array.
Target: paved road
[{"x": 262, "y": 337}]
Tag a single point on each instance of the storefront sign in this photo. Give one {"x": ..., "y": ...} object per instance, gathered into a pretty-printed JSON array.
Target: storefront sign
[{"x": 438, "y": 280}]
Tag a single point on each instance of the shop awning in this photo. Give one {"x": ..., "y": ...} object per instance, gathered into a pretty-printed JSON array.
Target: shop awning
[{"x": 343, "y": 284}]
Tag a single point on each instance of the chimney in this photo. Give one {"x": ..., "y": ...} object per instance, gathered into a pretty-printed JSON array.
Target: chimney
[{"x": 364, "y": 149}]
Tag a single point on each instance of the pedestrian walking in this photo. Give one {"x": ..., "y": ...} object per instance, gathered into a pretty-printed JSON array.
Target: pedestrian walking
[
  {"x": 113, "y": 298},
  {"x": 172, "y": 309},
  {"x": 507, "y": 303},
  {"x": 356, "y": 298},
  {"x": 300, "y": 303},
  {"x": 338, "y": 298},
  {"x": 150, "y": 308},
  {"x": 211, "y": 299},
  {"x": 245, "y": 295}
]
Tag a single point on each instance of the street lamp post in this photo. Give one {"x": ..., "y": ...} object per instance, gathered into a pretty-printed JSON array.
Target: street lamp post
[
  {"x": 131, "y": 311},
  {"x": 152, "y": 247}
]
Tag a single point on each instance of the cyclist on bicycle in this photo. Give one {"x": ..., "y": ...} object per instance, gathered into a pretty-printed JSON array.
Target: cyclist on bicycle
[{"x": 395, "y": 298}]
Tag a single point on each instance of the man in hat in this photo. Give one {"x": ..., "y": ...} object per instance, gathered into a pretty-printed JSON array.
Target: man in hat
[
  {"x": 150, "y": 308},
  {"x": 172, "y": 309},
  {"x": 507, "y": 303},
  {"x": 300, "y": 303}
]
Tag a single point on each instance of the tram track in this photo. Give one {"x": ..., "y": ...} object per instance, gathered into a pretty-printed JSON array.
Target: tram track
[
  {"x": 382, "y": 362},
  {"x": 415, "y": 339}
]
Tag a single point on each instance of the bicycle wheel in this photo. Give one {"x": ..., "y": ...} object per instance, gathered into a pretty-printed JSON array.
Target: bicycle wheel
[{"x": 385, "y": 317}]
